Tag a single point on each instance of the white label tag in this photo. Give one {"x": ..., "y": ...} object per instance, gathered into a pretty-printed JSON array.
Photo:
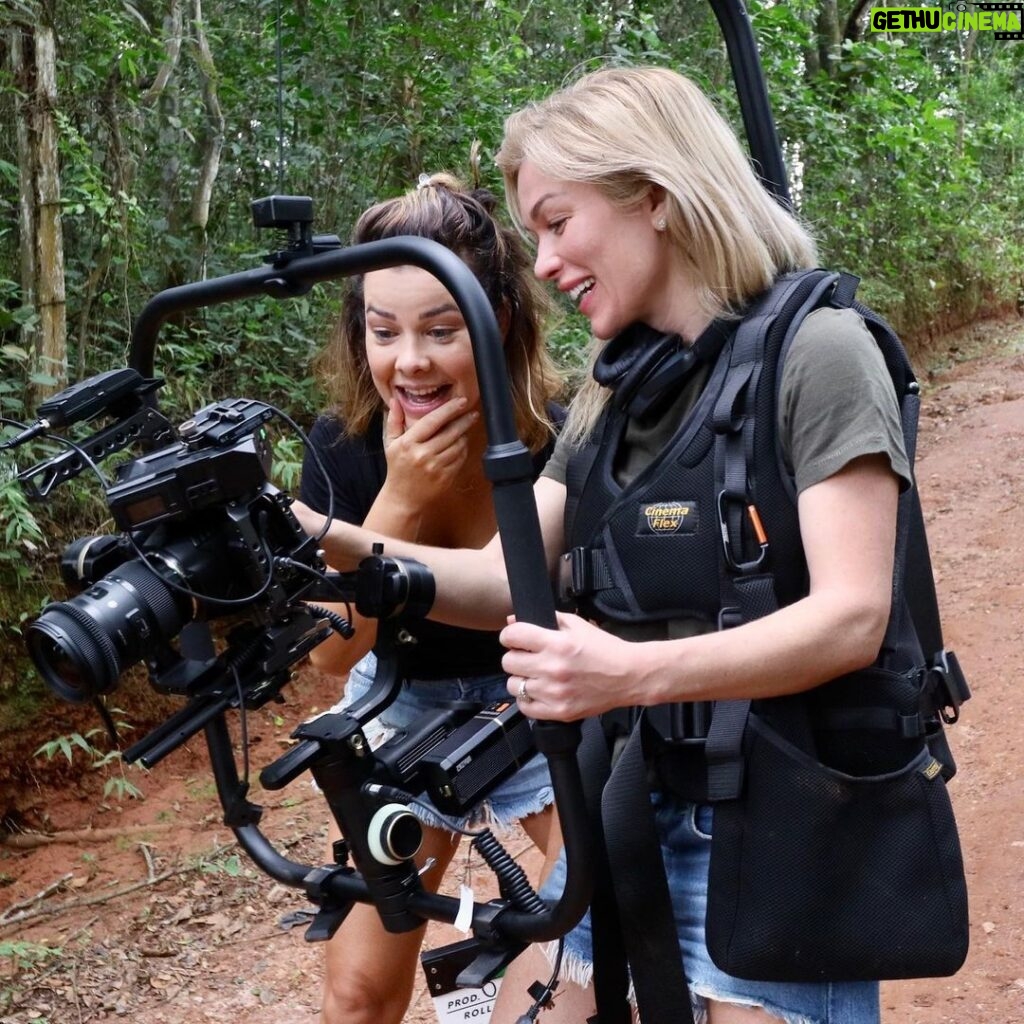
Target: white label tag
[
  {"x": 464, "y": 918},
  {"x": 467, "y": 1004}
]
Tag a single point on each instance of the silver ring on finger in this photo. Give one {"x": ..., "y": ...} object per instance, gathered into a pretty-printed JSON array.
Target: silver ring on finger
[{"x": 521, "y": 693}]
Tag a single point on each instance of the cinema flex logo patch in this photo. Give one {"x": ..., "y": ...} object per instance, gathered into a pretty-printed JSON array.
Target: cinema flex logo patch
[{"x": 1004, "y": 20}]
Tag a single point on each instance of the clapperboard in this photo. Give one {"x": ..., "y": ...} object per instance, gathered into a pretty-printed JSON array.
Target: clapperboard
[{"x": 454, "y": 1005}]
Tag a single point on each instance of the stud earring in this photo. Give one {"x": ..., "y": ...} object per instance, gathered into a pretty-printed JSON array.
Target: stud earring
[{"x": 662, "y": 224}]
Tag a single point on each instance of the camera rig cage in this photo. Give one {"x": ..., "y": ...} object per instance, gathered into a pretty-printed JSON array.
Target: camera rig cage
[
  {"x": 332, "y": 747},
  {"x": 196, "y": 508}
]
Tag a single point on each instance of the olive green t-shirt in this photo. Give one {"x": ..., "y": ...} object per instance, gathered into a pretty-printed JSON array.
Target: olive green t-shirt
[{"x": 836, "y": 403}]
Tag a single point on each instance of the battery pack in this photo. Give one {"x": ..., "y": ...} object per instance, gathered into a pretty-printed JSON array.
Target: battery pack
[
  {"x": 465, "y": 766},
  {"x": 402, "y": 756}
]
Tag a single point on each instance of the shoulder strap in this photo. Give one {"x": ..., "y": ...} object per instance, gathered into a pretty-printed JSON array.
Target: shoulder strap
[
  {"x": 611, "y": 976},
  {"x": 581, "y": 463},
  {"x": 747, "y": 586},
  {"x": 748, "y": 590},
  {"x": 641, "y": 890}
]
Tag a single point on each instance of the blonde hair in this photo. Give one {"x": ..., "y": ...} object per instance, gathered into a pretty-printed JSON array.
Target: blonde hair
[
  {"x": 441, "y": 208},
  {"x": 628, "y": 129}
]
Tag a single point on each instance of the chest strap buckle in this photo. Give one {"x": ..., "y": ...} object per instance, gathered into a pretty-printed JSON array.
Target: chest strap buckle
[{"x": 582, "y": 571}]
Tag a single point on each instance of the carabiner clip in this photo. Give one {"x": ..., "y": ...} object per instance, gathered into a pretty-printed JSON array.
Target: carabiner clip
[{"x": 734, "y": 563}]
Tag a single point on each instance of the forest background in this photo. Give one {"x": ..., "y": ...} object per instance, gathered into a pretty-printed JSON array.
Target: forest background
[{"x": 133, "y": 136}]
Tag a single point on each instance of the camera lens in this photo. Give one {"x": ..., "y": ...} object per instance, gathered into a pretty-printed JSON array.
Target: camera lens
[
  {"x": 63, "y": 659},
  {"x": 82, "y": 646}
]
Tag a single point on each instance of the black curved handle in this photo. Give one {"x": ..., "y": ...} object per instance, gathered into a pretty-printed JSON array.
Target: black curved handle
[
  {"x": 507, "y": 461},
  {"x": 752, "y": 91}
]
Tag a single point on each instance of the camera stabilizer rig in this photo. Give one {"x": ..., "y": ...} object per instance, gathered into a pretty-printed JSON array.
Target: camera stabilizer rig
[{"x": 206, "y": 536}]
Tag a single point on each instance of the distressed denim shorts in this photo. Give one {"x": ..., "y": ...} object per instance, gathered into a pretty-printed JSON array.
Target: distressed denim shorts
[
  {"x": 685, "y": 831},
  {"x": 522, "y": 794}
]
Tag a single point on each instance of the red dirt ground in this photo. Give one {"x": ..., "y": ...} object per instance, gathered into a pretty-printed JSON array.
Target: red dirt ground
[{"x": 204, "y": 943}]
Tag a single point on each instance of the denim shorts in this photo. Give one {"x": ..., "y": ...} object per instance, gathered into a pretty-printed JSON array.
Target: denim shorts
[
  {"x": 522, "y": 794},
  {"x": 685, "y": 831}
]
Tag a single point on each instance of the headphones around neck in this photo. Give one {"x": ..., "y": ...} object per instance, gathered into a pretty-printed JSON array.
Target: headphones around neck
[{"x": 641, "y": 367}]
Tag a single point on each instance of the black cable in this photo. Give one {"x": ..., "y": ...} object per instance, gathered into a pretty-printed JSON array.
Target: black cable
[
  {"x": 512, "y": 880},
  {"x": 337, "y": 622},
  {"x": 402, "y": 797},
  {"x": 319, "y": 576},
  {"x": 317, "y": 461},
  {"x": 546, "y": 993},
  {"x": 227, "y": 602},
  {"x": 236, "y": 659},
  {"x": 243, "y": 724},
  {"x": 79, "y": 451},
  {"x": 515, "y": 886}
]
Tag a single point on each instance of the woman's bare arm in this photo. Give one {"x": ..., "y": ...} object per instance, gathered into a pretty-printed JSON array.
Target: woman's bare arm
[
  {"x": 848, "y": 525},
  {"x": 472, "y": 584}
]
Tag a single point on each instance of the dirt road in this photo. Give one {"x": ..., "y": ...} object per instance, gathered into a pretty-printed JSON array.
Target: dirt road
[{"x": 159, "y": 918}]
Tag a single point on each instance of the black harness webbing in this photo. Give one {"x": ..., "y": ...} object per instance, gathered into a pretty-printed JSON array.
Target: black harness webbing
[
  {"x": 649, "y": 932},
  {"x": 611, "y": 976},
  {"x": 753, "y": 594},
  {"x": 748, "y": 592}
]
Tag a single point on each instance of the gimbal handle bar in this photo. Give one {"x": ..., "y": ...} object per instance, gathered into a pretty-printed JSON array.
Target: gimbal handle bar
[
  {"x": 488, "y": 920},
  {"x": 752, "y": 91},
  {"x": 507, "y": 464}
]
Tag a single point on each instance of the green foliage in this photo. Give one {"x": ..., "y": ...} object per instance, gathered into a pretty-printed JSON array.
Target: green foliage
[
  {"x": 23, "y": 954},
  {"x": 230, "y": 866},
  {"x": 287, "y": 466},
  {"x": 66, "y": 745},
  {"x": 19, "y": 531},
  {"x": 903, "y": 164},
  {"x": 117, "y": 785},
  {"x": 894, "y": 146}
]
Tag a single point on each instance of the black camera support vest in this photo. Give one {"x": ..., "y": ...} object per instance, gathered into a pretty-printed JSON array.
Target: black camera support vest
[{"x": 709, "y": 530}]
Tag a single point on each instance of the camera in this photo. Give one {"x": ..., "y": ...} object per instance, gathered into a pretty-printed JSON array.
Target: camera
[{"x": 205, "y": 536}]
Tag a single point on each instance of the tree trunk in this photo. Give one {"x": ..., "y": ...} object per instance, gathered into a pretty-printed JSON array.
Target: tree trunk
[
  {"x": 854, "y": 29},
  {"x": 172, "y": 45},
  {"x": 20, "y": 56},
  {"x": 34, "y": 62},
  {"x": 213, "y": 137},
  {"x": 53, "y": 349},
  {"x": 829, "y": 37}
]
